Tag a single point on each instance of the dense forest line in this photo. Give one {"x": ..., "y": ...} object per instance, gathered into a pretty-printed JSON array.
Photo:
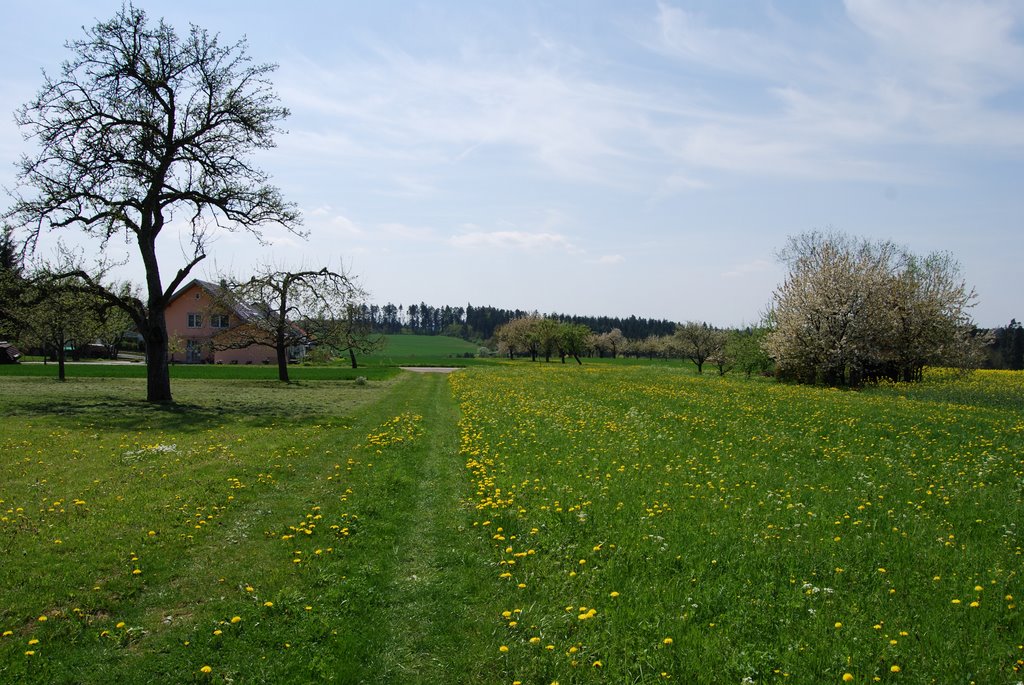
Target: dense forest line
[{"x": 479, "y": 323}]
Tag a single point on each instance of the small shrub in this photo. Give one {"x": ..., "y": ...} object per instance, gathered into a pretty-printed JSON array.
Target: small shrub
[{"x": 360, "y": 380}]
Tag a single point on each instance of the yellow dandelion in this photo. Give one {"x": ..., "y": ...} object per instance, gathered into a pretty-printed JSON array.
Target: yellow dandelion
[
  {"x": 503, "y": 649},
  {"x": 268, "y": 604},
  {"x": 895, "y": 669},
  {"x": 667, "y": 641},
  {"x": 205, "y": 669},
  {"x": 236, "y": 619},
  {"x": 847, "y": 677}
]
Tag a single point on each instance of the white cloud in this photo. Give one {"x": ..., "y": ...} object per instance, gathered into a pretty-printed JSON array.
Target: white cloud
[
  {"x": 609, "y": 259},
  {"x": 512, "y": 240},
  {"x": 961, "y": 48},
  {"x": 406, "y": 232},
  {"x": 752, "y": 267}
]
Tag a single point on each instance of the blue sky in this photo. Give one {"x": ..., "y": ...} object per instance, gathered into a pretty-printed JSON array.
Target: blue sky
[{"x": 611, "y": 158}]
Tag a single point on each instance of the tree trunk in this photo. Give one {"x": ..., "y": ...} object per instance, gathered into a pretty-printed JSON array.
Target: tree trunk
[
  {"x": 282, "y": 359},
  {"x": 60, "y": 362},
  {"x": 352, "y": 356},
  {"x": 158, "y": 378}
]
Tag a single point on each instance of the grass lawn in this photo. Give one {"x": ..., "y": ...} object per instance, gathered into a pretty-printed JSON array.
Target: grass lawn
[
  {"x": 271, "y": 533},
  {"x": 512, "y": 522},
  {"x": 428, "y": 350}
]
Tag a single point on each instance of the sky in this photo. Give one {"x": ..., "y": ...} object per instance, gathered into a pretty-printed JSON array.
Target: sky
[{"x": 606, "y": 157}]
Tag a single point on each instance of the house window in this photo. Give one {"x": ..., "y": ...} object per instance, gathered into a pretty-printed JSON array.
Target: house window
[
  {"x": 219, "y": 320},
  {"x": 195, "y": 320}
]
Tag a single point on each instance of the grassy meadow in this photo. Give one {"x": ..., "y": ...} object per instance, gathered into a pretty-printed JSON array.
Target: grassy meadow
[
  {"x": 430, "y": 350},
  {"x": 513, "y": 522}
]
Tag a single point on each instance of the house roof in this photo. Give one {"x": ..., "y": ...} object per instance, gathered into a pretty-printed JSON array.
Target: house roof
[
  {"x": 243, "y": 310},
  {"x": 8, "y": 352}
]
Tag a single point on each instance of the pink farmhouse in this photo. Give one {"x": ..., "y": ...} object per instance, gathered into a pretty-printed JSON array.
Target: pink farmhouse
[{"x": 195, "y": 319}]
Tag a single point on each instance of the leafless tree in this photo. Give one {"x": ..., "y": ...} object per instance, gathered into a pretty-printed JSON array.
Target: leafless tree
[
  {"x": 699, "y": 342},
  {"x": 141, "y": 127},
  {"x": 284, "y": 309}
]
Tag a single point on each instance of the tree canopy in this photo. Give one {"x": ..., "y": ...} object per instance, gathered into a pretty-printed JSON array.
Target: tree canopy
[{"x": 852, "y": 310}]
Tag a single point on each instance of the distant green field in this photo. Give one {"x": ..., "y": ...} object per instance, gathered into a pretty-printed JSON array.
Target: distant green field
[{"x": 403, "y": 349}]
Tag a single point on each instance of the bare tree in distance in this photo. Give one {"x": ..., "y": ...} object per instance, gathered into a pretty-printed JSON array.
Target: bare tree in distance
[
  {"x": 699, "y": 342},
  {"x": 285, "y": 309},
  {"x": 140, "y": 128},
  {"x": 353, "y": 334}
]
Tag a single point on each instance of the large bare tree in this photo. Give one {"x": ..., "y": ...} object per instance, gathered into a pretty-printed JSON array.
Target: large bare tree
[{"x": 141, "y": 127}]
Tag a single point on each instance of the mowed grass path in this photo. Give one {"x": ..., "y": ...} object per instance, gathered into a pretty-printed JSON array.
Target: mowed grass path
[
  {"x": 520, "y": 522},
  {"x": 268, "y": 533}
]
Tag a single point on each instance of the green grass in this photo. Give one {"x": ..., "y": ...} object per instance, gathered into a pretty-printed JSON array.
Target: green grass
[
  {"x": 202, "y": 371},
  {"x": 730, "y": 531},
  {"x": 406, "y": 530},
  {"x": 213, "y": 500},
  {"x": 429, "y": 350}
]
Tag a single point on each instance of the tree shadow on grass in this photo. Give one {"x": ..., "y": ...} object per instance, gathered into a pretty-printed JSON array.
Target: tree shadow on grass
[{"x": 251, "y": 406}]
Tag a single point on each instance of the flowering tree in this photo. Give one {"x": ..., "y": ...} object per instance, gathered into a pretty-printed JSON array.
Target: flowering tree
[{"x": 852, "y": 310}]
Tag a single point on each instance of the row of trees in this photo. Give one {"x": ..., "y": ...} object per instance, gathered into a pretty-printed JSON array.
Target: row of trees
[
  {"x": 53, "y": 313},
  {"x": 1005, "y": 347},
  {"x": 56, "y": 315},
  {"x": 535, "y": 336},
  {"x": 481, "y": 322}
]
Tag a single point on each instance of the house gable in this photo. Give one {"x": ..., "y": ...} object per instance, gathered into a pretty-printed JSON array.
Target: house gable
[{"x": 195, "y": 317}]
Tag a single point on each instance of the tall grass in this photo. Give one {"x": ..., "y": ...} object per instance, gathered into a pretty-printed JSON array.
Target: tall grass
[{"x": 650, "y": 524}]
